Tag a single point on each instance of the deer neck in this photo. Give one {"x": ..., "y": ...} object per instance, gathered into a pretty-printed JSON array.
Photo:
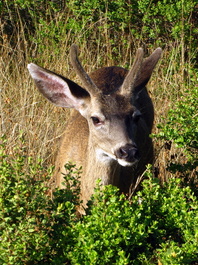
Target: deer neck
[{"x": 108, "y": 171}]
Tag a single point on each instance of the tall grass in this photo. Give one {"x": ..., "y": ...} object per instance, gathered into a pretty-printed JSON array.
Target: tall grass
[{"x": 30, "y": 122}]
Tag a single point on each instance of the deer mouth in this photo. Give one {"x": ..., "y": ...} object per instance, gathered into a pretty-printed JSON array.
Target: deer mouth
[{"x": 126, "y": 156}]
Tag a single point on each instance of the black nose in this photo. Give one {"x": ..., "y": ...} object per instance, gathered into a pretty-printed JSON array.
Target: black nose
[{"x": 128, "y": 152}]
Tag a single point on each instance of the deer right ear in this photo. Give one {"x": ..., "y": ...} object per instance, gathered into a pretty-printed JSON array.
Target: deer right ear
[{"x": 57, "y": 89}]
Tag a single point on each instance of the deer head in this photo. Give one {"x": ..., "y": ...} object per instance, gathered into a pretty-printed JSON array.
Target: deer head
[{"x": 108, "y": 102}]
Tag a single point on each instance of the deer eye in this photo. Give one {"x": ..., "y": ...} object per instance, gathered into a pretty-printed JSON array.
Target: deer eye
[
  {"x": 136, "y": 115},
  {"x": 96, "y": 121}
]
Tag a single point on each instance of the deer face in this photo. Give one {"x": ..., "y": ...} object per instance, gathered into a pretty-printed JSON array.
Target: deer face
[{"x": 112, "y": 124}]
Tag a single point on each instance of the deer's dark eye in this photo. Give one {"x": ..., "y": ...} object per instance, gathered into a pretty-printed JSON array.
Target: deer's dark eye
[
  {"x": 96, "y": 121},
  {"x": 136, "y": 115}
]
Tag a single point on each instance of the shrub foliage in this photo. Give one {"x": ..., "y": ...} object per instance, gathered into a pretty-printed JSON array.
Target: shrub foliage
[
  {"x": 34, "y": 229},
  {"x": 99, "y": 23},
  {"x": 159, "y": 224}
]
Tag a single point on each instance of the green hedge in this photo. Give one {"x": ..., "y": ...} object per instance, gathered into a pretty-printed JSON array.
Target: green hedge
[
  {"x": 100, "y": 21},
  {"x": 159, "y": 224}
]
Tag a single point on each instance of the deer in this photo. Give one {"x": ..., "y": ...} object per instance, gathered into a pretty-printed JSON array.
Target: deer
[{"x": 108, "y": 131}]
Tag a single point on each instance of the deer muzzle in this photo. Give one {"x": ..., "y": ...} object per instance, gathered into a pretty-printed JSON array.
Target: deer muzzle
[{"x": 127, "y": 155}]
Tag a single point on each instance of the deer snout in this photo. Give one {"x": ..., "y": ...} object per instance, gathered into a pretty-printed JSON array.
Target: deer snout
[{"x": 128, "y": 153}]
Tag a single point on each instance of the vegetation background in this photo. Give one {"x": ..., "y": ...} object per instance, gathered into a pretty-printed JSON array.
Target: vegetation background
[{"x": 108, "y": 33}]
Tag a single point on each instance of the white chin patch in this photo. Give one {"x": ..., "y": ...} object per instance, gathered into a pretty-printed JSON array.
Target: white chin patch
[{"x": 125, "y": 163}]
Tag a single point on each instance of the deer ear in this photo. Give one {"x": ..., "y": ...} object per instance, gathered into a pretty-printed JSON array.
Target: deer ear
[
  {"x": 57, "y": 89},
  {"x": 146, "y": 69}
]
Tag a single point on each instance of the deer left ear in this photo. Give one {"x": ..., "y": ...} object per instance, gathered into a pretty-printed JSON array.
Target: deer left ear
[{"x": 59, "y": 90}]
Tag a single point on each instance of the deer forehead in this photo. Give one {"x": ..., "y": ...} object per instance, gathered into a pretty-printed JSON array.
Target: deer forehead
[{"x": 111, "y": 105}]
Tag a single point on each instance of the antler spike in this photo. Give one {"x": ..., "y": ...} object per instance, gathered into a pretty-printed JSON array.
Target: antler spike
[
  {"x": 147, "y": 67},
  {"x": 84, "y": 77},
  {"x": 140, "y": 72},
  {"x": 129, "y": 81}
]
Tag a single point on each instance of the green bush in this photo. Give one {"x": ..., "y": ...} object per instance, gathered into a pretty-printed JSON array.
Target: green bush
[
  {"x": 158, "y": 224},
  {"x": 113, "y": 23},
  {"x": 180, "y": 128},
  {"x": 167, "y": 18},
  {"x": 181, "y": 122},
  {"x": 33, "y": 228}
]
